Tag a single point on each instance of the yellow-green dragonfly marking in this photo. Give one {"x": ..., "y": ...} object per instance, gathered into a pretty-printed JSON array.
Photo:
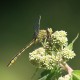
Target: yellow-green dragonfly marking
[
  {"x": 38, "y": 36},
  {"x": 17, "y": 55}
]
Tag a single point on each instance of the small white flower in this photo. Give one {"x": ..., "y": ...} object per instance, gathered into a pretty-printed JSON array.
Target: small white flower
[
  {"x": 66, "y": 77},
  {"x": 60, "y": 33},
  {"x": 37, "y": 53},
  {"x": 59, "y": 37},
  {"x": 67, "y": 53},
  {"x": 61, "y": 78},
  {"x": 42, "y": 60}
]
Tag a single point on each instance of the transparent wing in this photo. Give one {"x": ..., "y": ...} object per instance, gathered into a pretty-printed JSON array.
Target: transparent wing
[{"x": 37, "y": 28}]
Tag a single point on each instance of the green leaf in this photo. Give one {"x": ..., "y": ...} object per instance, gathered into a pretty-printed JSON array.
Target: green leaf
[
  {"x": 45, "y": 72},
  {"x": 70, "y": 46},
  {"x": 44, "y": 77},
  {"x": 76, "y": 75},
  {"x": 47, "y": 75},
  {"x": 51, "y": 74},
  {"x": 71, "y": 78}
]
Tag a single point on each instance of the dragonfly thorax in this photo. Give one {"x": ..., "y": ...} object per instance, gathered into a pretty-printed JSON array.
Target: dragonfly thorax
[{"x": 42, "y": 35}]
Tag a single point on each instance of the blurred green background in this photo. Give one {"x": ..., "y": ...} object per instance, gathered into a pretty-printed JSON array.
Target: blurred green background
[{"x": 17, "y": 19}]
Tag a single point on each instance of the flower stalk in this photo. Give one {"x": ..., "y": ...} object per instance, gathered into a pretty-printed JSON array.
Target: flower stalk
[{"x": 67, "y": 68}]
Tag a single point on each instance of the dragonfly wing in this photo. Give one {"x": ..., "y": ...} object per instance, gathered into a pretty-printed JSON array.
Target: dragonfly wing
[{"x": 37, "y": 28}]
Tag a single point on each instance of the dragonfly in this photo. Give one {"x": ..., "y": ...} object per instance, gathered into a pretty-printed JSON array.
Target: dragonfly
[{"x": 37, "y": 34}]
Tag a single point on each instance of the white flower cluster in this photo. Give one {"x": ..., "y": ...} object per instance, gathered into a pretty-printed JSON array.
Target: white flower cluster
[
  {"x": 67, "y": 53},
  {"x": 39, "y": 58},
  {"x": 50, "y": 54},
  {"x": 66, "y": 77},
  {"x": 60, "y": 37}
]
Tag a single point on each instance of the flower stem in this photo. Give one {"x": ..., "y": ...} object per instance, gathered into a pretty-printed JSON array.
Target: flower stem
[{"x": 67, "y": 68}]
